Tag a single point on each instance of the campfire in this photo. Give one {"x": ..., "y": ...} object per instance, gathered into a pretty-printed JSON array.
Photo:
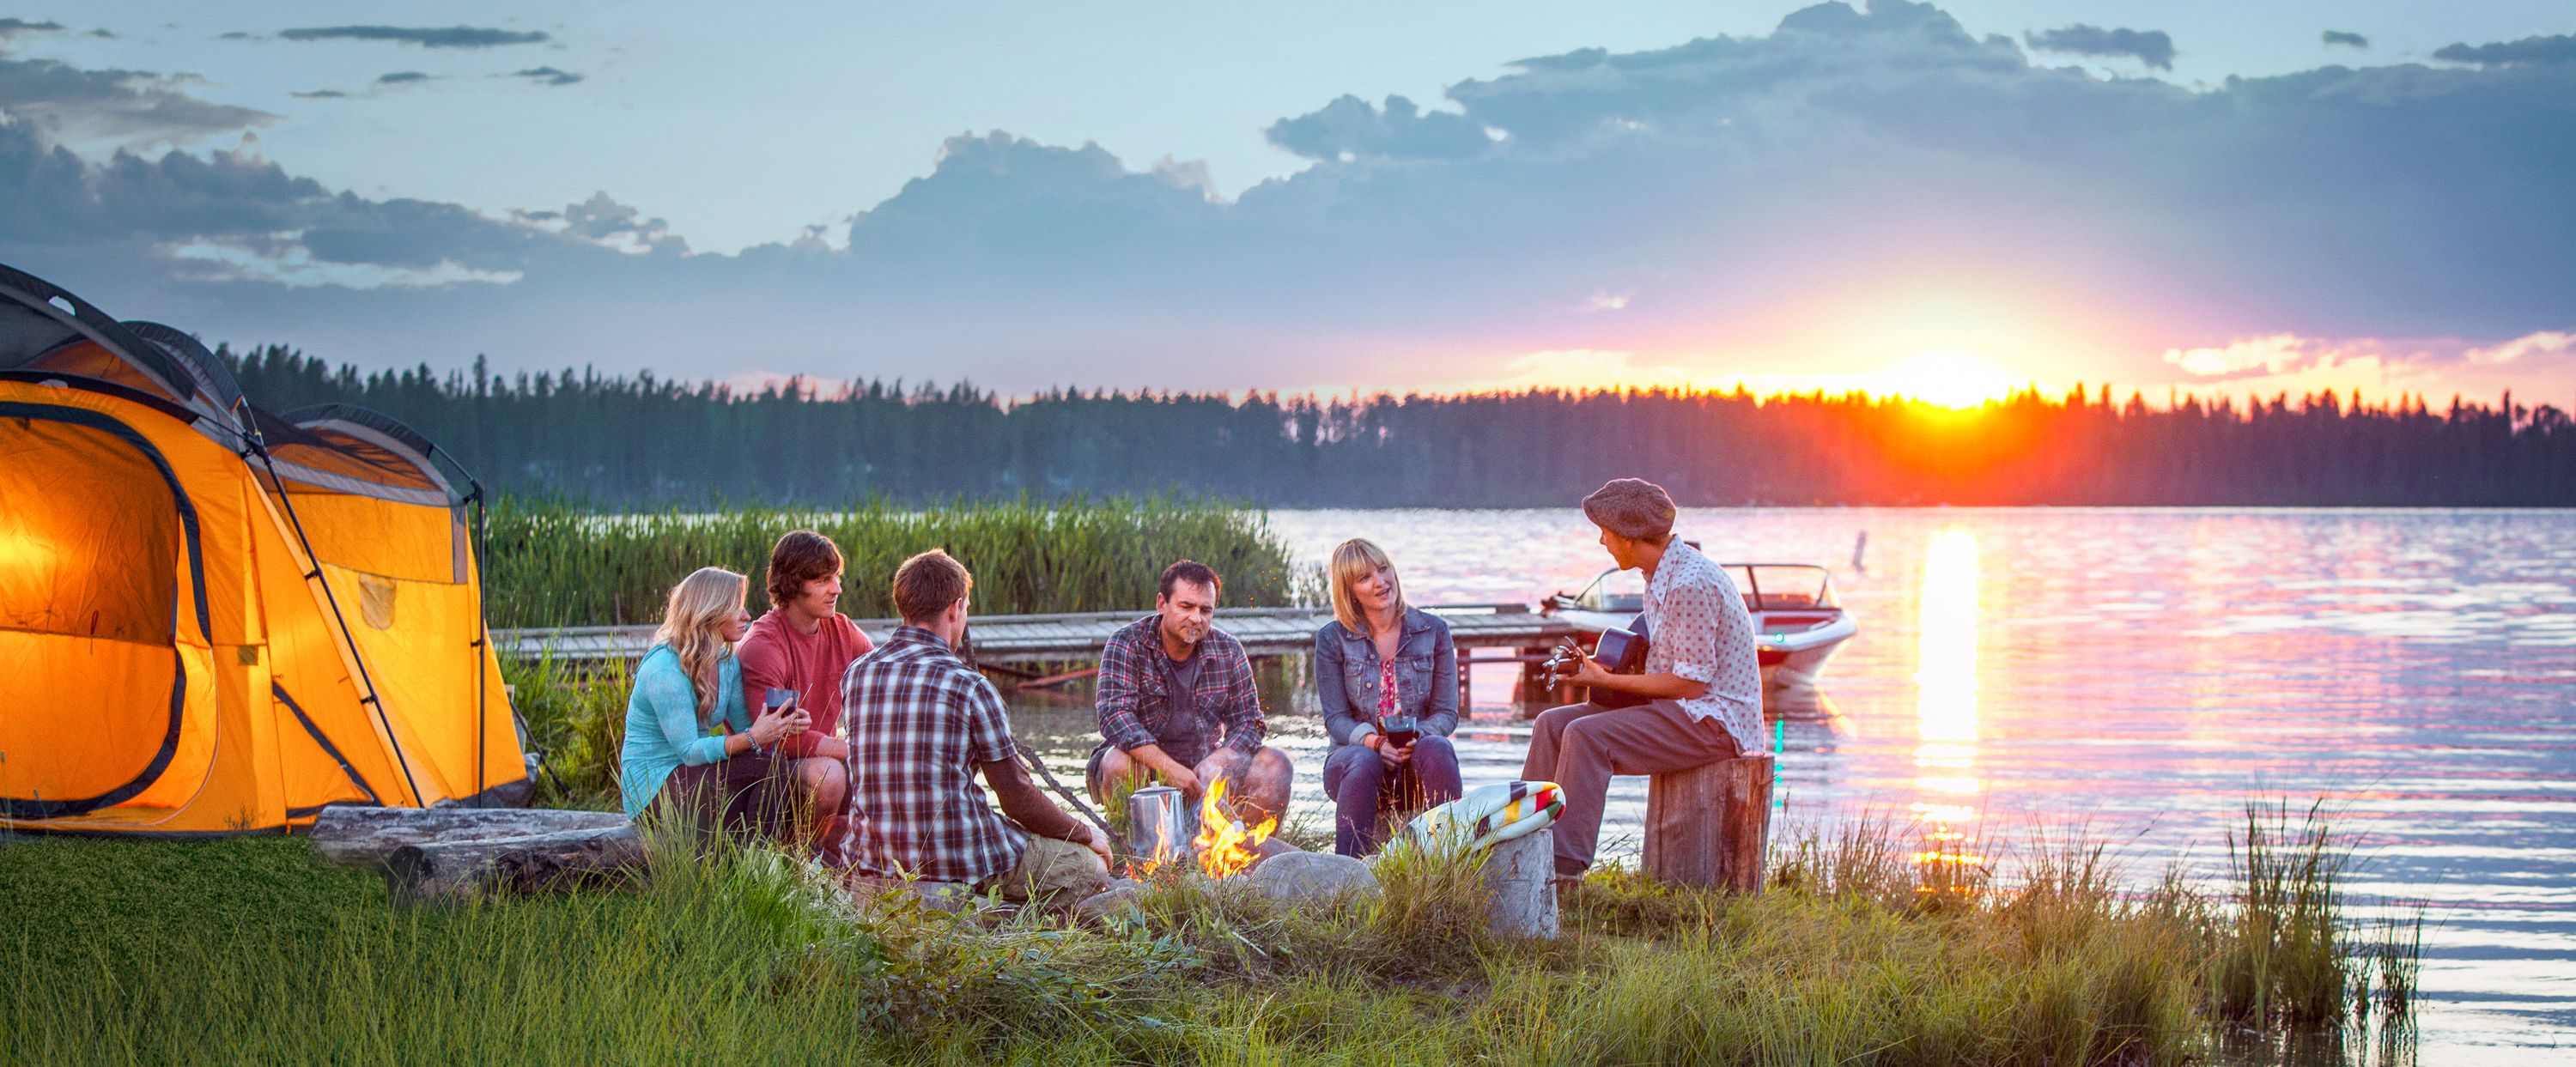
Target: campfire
[{"x": 1226, "y": 848}]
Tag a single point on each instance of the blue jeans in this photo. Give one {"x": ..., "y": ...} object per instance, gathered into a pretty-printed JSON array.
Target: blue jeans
[{"x": 1364, "y": 789}]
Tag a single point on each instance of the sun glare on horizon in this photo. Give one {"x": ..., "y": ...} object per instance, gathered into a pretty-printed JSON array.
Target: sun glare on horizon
[{"x": 1956, "y": 378}]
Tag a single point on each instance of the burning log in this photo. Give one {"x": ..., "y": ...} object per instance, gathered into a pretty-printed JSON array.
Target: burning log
[{"x": 1225, "y": 846}]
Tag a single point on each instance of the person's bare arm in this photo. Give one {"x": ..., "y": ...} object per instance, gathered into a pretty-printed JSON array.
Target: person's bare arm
[{"x": 1173, "y": 772}]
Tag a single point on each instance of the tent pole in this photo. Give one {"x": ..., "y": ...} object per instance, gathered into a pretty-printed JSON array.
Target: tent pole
[{"x": 286, "y": 501}]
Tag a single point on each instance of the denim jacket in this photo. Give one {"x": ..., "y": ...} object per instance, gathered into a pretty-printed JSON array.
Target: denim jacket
[{"x": 1426, "y": 678}]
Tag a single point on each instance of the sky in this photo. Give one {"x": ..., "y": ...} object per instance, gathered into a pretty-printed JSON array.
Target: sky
[{"x": 1944, "y": 200}]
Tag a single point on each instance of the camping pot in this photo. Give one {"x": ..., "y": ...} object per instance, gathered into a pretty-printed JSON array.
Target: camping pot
[{"x": 1158, "y": 823}]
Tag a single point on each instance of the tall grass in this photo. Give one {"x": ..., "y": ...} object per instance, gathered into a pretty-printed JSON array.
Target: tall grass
[
  {"x": 576, "y": 719},
  {"x": 153, "y": 952},
  {"x": 550, "y": 563}
]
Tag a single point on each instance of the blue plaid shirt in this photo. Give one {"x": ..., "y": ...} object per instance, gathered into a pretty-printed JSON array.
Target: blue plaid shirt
[{"x": 1138, "y": 707}]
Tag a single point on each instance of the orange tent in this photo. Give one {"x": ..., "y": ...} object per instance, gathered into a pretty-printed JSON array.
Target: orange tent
[{"x": 217, "y": 620}]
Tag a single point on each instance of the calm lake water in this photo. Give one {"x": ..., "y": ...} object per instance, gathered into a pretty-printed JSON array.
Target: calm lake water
[{"x": 2140, "y": 674}]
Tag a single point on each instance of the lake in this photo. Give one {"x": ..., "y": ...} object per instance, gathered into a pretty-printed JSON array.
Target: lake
[{"x": 2140, "y": 675}]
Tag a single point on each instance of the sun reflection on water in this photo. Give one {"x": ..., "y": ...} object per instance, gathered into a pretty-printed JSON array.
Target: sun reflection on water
[{"x": 1945, "y": 709}]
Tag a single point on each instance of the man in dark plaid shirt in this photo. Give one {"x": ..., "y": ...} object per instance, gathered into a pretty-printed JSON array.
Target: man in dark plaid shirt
[
  {"x": 1176, "y": 700},
  {"x": 921, "y": 724}
]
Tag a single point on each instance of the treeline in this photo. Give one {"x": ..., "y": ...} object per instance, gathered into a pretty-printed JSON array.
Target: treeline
[{"x": 625, "y": 441}]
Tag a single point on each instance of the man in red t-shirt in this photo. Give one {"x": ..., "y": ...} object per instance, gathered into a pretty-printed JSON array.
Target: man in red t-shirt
[{"x": 804, "y": 643}]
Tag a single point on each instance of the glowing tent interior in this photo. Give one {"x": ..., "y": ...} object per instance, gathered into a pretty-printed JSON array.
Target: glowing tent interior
[{"x": 215, "y": 619}]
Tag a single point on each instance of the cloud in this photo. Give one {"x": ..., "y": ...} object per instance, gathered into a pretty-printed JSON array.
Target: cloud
[
  {"x": 2269, "y": 355},
  {"x": 601, "y": 219},
  {"x": 2529, "y": 50},
  {"x": 547, "y": 76},
  {"x": 2380, "y": 368},
  {"x": 12, "y": 28},
  {"x": 449, "y": 37},
  {"x": 1816, "y": 201},
  {"x": 2544, "y": 343},
  {"x": 402, "y": 77},
  {"x": 101, "y": 34},
  {"x": 2345, "y": 38},
  {"x": 1349, "y": 127},
  {"x": 73, "y": 104},
  {"x": 320, "y": 94},
  {"x": 2151, "y": 47}
]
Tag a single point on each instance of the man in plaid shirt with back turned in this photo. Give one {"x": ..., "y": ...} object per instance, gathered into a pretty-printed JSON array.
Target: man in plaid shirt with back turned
[{"x": 921, "y": 724}]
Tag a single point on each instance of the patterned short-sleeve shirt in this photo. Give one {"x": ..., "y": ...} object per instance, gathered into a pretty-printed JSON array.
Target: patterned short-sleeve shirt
[
  {"x": 1700, "y": 630},
  {"x": 921, "y": 725}
]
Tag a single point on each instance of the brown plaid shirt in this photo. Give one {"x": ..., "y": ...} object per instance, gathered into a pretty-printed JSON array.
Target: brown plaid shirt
[
  {"x": 1136, "y": 702},
  {"x": 920, "y": 722}
]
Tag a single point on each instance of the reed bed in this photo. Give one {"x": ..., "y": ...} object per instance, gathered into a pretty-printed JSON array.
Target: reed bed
[
  {"x": 549, "y": 562},
  {"x": 158, "y": 952}
]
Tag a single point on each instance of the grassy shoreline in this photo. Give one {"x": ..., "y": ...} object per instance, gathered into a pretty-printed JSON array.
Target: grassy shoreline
[{"x": 246, "y": 950}]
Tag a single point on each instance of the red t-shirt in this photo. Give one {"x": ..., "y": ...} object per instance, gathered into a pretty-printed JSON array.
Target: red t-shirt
[{"x": 775, "y": 656}]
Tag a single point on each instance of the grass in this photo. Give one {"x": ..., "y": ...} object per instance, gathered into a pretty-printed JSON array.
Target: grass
[
  {"x": 551, "y": 563},
  {"x": 158, "y": 952}
]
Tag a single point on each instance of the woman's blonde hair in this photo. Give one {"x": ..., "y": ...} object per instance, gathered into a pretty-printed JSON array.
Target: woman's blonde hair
[
  {"x": 693, "y": 625},
  {"x": 1353, "y": 561}
]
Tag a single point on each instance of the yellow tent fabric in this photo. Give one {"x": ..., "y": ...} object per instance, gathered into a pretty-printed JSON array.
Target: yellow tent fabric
[{"x": 177, "y": 661}]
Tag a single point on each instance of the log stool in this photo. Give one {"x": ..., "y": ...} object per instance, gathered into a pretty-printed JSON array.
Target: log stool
[{"x": 1708, "y": 826}]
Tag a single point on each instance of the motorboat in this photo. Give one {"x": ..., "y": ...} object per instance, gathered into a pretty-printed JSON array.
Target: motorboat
[{"x": 1797, "y": 624}]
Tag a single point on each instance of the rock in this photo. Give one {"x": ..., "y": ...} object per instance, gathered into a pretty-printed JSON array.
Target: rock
[
  {"x": 1520, "y": 875},
  {"x": 1119, "y": 898},
  {"x": 1299, "y": 877}
]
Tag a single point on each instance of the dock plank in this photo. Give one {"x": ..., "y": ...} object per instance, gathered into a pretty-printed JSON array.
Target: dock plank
[{"x": 1077, "y": 636}]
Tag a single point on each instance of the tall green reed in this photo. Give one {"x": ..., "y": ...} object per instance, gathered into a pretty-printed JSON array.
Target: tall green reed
[{"x": 552, "y": 563}]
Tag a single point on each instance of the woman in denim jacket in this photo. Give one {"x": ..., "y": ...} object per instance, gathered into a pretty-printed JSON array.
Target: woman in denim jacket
[{"x": 1380, "y": 660}]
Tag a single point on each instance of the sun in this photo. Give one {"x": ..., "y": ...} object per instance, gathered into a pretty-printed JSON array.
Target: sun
[{"x": 1955, "y": 378}]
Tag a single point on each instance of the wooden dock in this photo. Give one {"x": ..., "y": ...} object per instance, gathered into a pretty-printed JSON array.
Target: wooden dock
[{"x": 1008, "y": 644}]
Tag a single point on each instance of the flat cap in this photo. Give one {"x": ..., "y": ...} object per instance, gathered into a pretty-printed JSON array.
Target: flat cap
[{"x": 1634, "y": 508}]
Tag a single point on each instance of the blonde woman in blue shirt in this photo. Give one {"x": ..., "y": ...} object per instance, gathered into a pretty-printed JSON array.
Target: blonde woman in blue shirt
[{"x": 691, "y": 746}]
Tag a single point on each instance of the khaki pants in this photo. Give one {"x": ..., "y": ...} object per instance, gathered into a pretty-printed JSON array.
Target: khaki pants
[
  {"x": 1579, "y": 746},
  {"x": 1052, "y": 870}
]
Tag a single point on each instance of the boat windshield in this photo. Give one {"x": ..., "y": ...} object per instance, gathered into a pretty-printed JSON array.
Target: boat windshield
[
  {"x": 1615, "y": 590},
  {"x": 1783, "y": 586},
  {"x": 1766, "y": 587}
]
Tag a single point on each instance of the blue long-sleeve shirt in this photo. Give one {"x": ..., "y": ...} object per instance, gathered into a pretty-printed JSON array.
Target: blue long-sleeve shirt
[{"x": 662, "y": 731}]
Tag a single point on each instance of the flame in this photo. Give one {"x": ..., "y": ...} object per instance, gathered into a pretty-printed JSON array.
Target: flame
[{"x": 1225, "y": 848}]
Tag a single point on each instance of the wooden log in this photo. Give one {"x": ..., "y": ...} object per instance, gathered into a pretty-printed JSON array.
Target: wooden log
[
  {"x": 1709, "y": 826},
  {"x": 364, "y": 837},
  {"x": 1520, "y": 880},
  {"x": 447, "y": 871}
]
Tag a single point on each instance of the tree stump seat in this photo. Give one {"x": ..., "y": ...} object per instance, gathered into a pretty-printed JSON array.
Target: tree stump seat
[{"x": 1710, "y": 825}]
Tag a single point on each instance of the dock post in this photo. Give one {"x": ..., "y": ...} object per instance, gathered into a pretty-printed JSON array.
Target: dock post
[{"x": 1709, "y": 825}]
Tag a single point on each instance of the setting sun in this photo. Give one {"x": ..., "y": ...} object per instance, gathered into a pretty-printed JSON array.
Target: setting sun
[{"x": 1946, "y": 377}]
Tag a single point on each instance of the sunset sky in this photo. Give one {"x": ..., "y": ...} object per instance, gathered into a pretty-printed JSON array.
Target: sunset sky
[{"x": 1942, "y": 200}]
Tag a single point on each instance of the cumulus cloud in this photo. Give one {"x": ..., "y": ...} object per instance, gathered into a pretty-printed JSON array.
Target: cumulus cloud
[
  {"x": 447, "y": 37},
  {"x": 2346, "y": 39},
  {"x": 2527, "y": 51},
  {"x": 1350, "y": 127},
  {"x": 73, "y": 104},
  {"x": 547, "y": 76},
  {"x": 603, "y": 220},
  {"x": 2151, "y": 47}
]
